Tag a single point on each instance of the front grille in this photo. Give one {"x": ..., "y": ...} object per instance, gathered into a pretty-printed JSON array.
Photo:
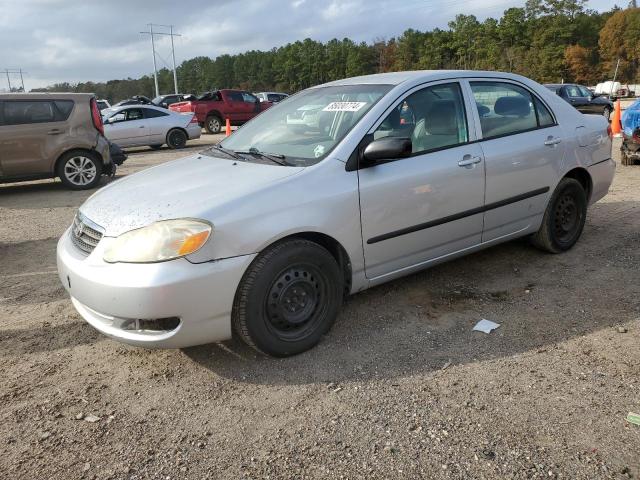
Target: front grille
[{"x": 85, "y": 234}]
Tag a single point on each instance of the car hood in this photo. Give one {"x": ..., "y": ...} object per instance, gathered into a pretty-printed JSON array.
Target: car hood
[{"x": 186, "y": 188}]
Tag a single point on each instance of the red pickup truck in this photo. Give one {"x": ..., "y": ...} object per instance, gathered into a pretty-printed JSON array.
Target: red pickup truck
[{"x": 213, "y": 108}]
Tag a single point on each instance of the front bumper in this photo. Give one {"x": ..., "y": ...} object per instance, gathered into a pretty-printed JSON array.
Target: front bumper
[{"x": 113, "y": 297}]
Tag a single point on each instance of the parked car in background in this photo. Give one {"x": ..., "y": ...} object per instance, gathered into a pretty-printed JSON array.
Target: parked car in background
[
  {"x": 103, "y": 104},
  {"x": 47, "y": 135},
  {"x": 583, "y": 99},
  {"x": 264, "y": 234},
  {"x": 273, "y": 97},
  {"x": 165, "y": 100},
  {"x": 213, "y": 108},
  {"x": 614, "y": 90},
  {"x": 135, "y": 100},
  {"x": 140, "y": 125}
]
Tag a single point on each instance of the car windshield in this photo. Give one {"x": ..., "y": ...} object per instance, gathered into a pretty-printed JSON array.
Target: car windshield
[{"x": 303, "y": 129}]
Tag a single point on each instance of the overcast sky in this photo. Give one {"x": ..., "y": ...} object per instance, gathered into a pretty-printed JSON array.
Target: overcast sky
[{"x": 80, "y": 40}]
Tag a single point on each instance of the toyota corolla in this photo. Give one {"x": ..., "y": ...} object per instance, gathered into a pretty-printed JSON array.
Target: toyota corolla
[{"x": 264, "y": 235}]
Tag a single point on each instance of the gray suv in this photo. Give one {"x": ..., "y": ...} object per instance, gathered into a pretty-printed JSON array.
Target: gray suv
[{"x": 47, "y": 135}]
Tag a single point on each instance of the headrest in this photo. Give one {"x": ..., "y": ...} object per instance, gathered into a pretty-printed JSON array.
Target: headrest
[
  {"x": 441, "y": 118},
  {"x": 514, "y": 106}
]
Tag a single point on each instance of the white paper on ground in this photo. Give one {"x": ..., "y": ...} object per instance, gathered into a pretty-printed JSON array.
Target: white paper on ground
[{"x": 485, "y": 326}]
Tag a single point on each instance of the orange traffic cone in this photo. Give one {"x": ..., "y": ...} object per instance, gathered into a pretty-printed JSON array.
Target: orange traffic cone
[
  {"x": 616, "y": 121},
  {"x": 228, "y": 130}
]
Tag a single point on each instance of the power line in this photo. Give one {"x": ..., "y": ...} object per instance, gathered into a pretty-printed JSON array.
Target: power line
[{"x": 152, "y": 34}]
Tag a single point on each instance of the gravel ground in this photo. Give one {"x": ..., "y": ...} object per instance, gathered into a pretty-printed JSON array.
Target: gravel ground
[{"x": 400, "y": 388}]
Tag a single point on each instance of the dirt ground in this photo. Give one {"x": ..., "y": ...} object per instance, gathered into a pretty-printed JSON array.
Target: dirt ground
[{"x": 400, "y": 388}]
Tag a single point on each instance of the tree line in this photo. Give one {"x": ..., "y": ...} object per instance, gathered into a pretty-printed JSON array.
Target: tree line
[{"x": 547, "y": 40}]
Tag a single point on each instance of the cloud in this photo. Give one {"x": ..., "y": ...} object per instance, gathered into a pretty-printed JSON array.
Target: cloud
[{"x": 98, "y": 40}]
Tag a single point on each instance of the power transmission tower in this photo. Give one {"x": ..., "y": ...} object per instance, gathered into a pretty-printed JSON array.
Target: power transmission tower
[
  {"x": 152, "y": 34},
  {"x": 19, "y": 71}
]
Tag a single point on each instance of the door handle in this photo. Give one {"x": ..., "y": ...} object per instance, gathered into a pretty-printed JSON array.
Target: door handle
[
  {"x": 141, "y": 126},
  {"x": 55, "y": 131},
  {"x": 550, "y": 142},
  {"x": 468, "y": 161}
]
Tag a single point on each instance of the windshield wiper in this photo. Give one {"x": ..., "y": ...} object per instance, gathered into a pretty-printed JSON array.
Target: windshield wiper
[
  {"x": 230, "y": 153},
  {"x": 274, "y": 157}
]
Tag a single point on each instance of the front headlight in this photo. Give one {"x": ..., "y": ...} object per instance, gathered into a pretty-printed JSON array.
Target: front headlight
[{"x": 160, "y": 241}]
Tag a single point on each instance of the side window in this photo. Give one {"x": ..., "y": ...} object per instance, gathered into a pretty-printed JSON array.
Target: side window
[
  {"x": 63, "y": 108},
  {"x": 133, "y": 114},
  {"x": 20, "y": 112},
  {"x": 150, "y": 113},
  {"x": 573, "y": 91},
  {"x": 585, "y": 92},
  {"x": 434, "y": 118},
  {"x": 545, "y": 119},
  {"x": 235, "y": 97},
  {"x": 504, "y": 108},
  {"x": 247, "y": 97}
]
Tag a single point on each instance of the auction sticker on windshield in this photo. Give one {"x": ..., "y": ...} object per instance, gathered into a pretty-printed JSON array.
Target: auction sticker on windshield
[{"x": 344, "y": 106}]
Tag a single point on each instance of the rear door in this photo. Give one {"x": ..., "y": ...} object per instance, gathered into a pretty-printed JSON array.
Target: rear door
[
  {"x": 577, "y": 99},
  {"x": 31, "y": 134},
  {"x": 429, "y": 205},
  {"x": 237, "y": 109},
  {"x": 523, "y": 148},
  {"x": 127, "y": 127}
]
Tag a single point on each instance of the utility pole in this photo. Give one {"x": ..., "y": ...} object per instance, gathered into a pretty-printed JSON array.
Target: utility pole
[
  {"x": 153, "y": 49},
  {"x": 19, "y": 71},
  {"x": 615, "y": 74}
]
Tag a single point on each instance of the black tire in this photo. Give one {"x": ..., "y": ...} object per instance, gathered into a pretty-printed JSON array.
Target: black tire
[
  {"x": 625, "y": 159},
  {"x": 563, "y": 219},
  {"x": 288, "y": 298},
  {"x": 606, "y": 112},
  {"x": 213, "y": 124},
  {"x": 176, "y": 139},
  {"x": 79, "y": 169},
  {"x": 156, "y": 147}
]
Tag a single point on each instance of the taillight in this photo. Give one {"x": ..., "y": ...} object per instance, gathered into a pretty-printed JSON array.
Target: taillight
[
  {"x": 609, "y": 131},
  {"x": 96, "y": 117}
]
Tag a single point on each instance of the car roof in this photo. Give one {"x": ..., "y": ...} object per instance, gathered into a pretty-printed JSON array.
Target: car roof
[
  {"x": 46, "y": 96},
  {"x": 419, "y": 76}
]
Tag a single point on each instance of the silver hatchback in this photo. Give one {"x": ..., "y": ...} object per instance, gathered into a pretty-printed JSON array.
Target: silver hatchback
[{"x": 339, "y": 188}]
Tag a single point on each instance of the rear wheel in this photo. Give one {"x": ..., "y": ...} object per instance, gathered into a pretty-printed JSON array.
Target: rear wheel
[
  {"x": 563, "y": 219},
  {"x": 176, "y": 138},
  {"x": 79, "y": 170},
  {"x": 288, "y": 298},
  {"x": 213, "y": 124}
]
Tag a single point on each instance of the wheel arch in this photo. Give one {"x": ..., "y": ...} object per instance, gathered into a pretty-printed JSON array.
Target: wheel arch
[
  {"x": 333, "y": 246},
  {"x": 584, "y": 177},
  {"x": 215, "y": 113}
]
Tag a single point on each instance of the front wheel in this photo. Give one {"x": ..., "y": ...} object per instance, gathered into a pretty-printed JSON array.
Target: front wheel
[
  {"x": 288, "y": 298},
  {"x": 563, "y": 219},
  {"x": 79, "y": 170}
]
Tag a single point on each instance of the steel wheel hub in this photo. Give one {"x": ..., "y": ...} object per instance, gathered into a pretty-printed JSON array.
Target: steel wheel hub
[
  {"x": 80, "y": 170},
  {"x": 293, "y": 300},
  {"x": 566, "y": 218}
]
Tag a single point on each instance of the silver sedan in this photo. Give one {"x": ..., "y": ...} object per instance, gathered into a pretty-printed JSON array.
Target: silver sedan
[
  {"x": 140, "y": 125},
  {"x": 267, "y": 233}
]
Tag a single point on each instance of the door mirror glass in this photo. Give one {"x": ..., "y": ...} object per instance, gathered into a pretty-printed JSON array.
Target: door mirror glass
[{"x": 387, "y": 148}]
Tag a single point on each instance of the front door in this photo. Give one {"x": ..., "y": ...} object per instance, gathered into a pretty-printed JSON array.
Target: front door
[
  {"x": 523, "y": 149},
  {"x": 424, "y": 207},
  {"x": 127, "y": 128}
]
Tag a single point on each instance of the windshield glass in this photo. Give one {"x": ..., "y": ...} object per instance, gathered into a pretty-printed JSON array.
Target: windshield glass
[{"x": 303, "y": 129}]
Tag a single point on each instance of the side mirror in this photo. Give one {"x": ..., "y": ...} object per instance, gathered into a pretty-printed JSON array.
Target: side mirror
[{"x": 387, "y": 148}]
